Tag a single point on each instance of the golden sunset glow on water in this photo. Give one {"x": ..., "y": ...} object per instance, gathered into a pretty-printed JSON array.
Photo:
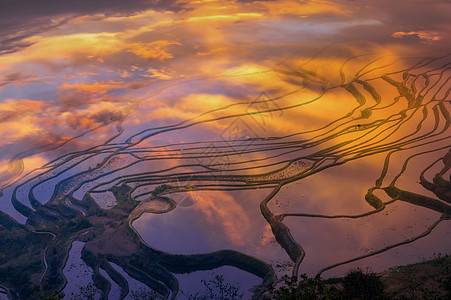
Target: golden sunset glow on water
[{"x": 155, "y": 144}]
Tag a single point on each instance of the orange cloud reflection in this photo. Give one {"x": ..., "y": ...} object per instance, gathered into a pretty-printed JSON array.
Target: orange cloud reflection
[{"x": 154, "y": 50}]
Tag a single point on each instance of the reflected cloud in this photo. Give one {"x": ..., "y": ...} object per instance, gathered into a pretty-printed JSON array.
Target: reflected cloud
[
  {"x": 424, "y": 35},
  {"x": 154, "y": 50},
  {"x": 21, "y": 20}
]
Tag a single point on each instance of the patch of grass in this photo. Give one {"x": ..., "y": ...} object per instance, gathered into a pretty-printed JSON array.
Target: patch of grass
[
  {"x": 161, "y": 188},
  {"x": 355, "y": 285}
]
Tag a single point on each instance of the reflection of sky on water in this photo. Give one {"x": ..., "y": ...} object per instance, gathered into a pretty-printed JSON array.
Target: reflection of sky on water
[
  {"x": 331, "y": 241},
  {"x": 215, "y": 221},
  {"x": 203, "y": 228},
  {"x": 134, "y": 285},
  {"x": 76, "y": 271},
  {"x": 115, "y": 288},
  {"x": 100, "y": 64}
]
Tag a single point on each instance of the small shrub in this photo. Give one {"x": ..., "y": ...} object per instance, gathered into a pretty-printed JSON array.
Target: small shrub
[
  {"x": 305, "y": 288},
  {"x": 145, "y": 294},
  {"x": 217, "y": 289},
  {"x": 88, "y": 292},
  {"x": 359, "y": 285},
  {"x": 160, "y": 189}
]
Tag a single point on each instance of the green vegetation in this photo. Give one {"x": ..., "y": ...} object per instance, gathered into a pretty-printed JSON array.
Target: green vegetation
[
  {"x": 19, "y": 278},
  {"x": 47, "y": 293},
  {"x": 161, "y": 188},
  {"x": 124, "y": 200},
  {"x": 166, "y": 187},
  {"x": 55, "y": 259},
  {"x": 78, "y": 224},
  {"x": 373, "y": 200},
  {"x": 21, "y": 253},
  {"x": 369, "y": 286},
  {"x": 18, "y": 242}
]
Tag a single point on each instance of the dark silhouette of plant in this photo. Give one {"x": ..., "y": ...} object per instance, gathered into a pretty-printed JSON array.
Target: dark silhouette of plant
[
  {"x": 444, "y": 281},
  {"x": 88, "y": 292},
  {"x": 47, "y": 293},
  {"x": 305, "y": 288},
  {"x": 217, "y": 289},
  {"x": 360, "y": 285},
  {"x": 160, "y": 189}
]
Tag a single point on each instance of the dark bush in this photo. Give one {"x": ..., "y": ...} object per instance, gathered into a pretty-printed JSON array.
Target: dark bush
[{"x": 359, "y": 285}]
